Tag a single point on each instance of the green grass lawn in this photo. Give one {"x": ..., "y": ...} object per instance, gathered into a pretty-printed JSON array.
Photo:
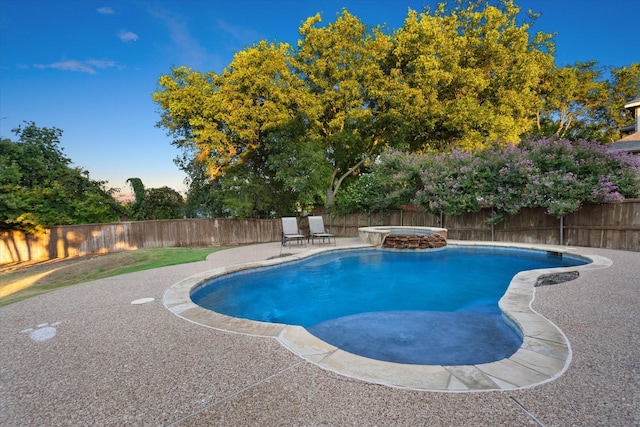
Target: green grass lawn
[{"x": 21, "y": 282}]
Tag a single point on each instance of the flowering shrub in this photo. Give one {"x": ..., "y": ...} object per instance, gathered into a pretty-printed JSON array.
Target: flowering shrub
[
  {"x": 569, "y": 174},
  {"x": 558, "y": 175},
  {"x": 452, "y": 183}
]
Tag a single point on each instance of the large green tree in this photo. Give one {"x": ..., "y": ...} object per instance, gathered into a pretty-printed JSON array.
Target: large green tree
[
  {"x": 623, "y": 86},
  {"x": 201, "y": 199},
  {"x": 353, "y": 111},
  {"x": 162, "y": 203},
  {"x": 244, "y": 118},
  {"x": 222, "y": 118},
  {"x": 313, "y": 116},
  {"x": 570, "y": 95},
  {"x": 298, "y": 124},
  {"x": 471, "y": 74},
  {"x": 39, "y": 187},
  {"x": 155, "y": 203},
  {"x": 586, "y": 101}
]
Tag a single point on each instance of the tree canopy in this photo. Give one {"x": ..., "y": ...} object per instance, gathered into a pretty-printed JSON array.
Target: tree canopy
[
  {"x": 470, "y": 74},
  {"x": 580, "y": 102},
  {"x": 283, "y": 128},
  {"x": 154, "y": 203},
  {"x": 39, "y": 187}
]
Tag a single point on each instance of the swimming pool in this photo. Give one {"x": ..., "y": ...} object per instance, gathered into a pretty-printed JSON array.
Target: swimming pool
[
  {"x": 419, "y": 307},
  {"x": 544, "y": 355}
]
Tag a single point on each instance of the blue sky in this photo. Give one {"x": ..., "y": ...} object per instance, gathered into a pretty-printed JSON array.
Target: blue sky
[{"x": 90, "y": 67}]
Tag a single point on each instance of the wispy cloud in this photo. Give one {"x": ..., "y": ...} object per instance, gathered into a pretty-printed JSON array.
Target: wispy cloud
[
  {"x": 127, "y": 36},
  {"x": 106, "y": 11},
  {"x": 183, "y": 43},
  {"x": 90, "y": 66},
  {"x": 241, "y": 35}
]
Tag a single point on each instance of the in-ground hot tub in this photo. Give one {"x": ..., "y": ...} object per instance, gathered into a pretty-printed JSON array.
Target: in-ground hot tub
[{"x": 376, "y": 236}]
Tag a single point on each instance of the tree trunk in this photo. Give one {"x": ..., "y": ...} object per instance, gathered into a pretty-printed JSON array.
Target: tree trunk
[{"x": 329, "y": 199}]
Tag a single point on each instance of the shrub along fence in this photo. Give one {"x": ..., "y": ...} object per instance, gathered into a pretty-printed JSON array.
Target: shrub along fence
[{"x": 613, "y": 226}]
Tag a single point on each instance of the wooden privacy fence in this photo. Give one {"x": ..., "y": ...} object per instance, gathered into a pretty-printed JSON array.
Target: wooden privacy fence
[
  {"x": 80, "y": 240},
  {"x": 614, "y": 226}
]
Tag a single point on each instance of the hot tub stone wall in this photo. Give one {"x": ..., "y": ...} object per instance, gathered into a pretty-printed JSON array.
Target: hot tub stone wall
[
  {"x": 398, "y": 236},
  {"x": 397, "y": 241}
]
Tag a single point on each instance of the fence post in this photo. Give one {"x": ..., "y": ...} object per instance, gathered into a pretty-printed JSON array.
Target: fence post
[
  {"x": 344, "y": 226},
  {"x": 492, "y": 226}
]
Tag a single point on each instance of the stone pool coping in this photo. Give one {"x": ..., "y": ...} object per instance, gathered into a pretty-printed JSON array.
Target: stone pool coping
[{"x": 543, "y": 357}]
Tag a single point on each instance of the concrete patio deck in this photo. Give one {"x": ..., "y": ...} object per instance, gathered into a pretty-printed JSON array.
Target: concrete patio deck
[{"x": 85, "y": 355}]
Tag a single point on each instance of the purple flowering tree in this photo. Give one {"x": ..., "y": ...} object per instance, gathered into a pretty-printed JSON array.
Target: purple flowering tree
[
  {"x": 454, "y": 183},
  {"x": 567, "y": 174},
  {"x": 558, "y": 175}
]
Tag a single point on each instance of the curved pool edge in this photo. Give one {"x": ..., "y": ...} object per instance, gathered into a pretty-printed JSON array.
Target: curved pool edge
[{"x": 544, "y": 355}]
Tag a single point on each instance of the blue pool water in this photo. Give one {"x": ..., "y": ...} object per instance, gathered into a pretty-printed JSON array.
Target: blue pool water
[{"x": 420, "y": 307}]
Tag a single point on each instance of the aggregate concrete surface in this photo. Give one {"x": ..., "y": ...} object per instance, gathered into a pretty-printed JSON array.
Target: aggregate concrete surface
[{"x": 85, "y": 355}]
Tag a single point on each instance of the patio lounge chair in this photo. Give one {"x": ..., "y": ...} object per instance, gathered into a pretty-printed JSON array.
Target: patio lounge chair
[
  {"x": 317, "y": 230},
  {"x": 290, "y": 231}
]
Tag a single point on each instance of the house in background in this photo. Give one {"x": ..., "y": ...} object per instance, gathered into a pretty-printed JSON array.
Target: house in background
[{"x": 631, "y": 142}]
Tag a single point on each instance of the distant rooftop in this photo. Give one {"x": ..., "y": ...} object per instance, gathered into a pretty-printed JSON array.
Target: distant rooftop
[
  {"x": 634, "y": 103},
  {"x": 630, "y": 144}
]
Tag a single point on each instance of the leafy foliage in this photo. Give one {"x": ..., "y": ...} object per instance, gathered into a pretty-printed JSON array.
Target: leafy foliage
[
  {"x": 155, "y": 203},
  {"x": 161, "y": 203},
  {"x": 40, "y": 189},
  {"x": 567, "y": 174},
  {"x": 558, "y": 175},
  {"x": 579, "y": 103},
  {"x": 391, "y": 180},
  {"x": 201, "y": 200},
  {"x": 471, "y": 74},
  {"x": 139, "y": 193},
  {"x": 320, "y": 113},
  {"x": 353, "y": 108},
  {"x": 302, "y": 124}
]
